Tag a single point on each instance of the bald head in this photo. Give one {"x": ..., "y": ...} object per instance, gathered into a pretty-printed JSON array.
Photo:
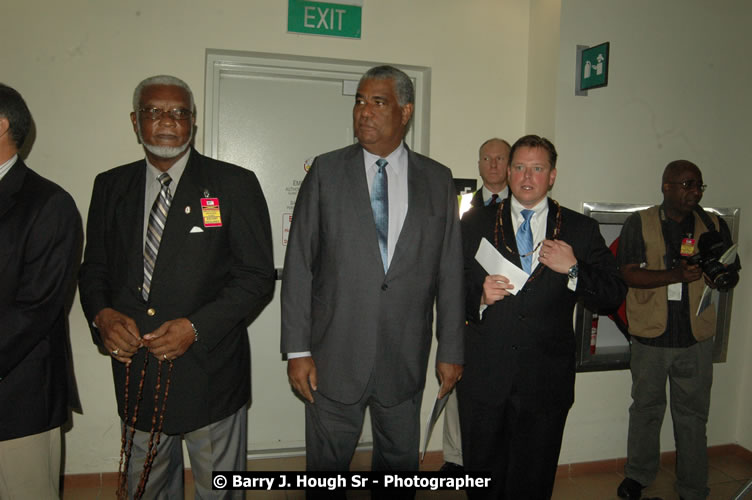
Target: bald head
[
  {"x": 676, "y": 168},
  {"x": 682, "y": 188},
  {"x": 493, "y": 161},
  {"x": 495, "y": 141}
]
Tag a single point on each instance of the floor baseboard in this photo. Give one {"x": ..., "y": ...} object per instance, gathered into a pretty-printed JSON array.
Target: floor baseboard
[{"x": 432, "y": 461}]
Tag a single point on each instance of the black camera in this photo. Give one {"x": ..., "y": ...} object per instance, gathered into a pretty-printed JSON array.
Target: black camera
[{"x": 710, "y": 248}]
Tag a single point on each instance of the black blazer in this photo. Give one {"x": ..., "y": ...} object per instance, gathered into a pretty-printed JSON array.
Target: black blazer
[
  {"x": 41, "y": 232},
  {"x": 526, "y": 341},
  {"x": 477, "y": 199},
  {"x": 220, "y": 278}
]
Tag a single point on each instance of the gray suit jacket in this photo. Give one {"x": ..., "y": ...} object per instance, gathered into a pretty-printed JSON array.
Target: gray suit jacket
[{"x": 336, "y": 300}]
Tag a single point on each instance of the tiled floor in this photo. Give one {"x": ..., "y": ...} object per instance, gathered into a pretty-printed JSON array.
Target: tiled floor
[
  {"x": 728, "y": 473},
  {"x": 730, "y": 469}
]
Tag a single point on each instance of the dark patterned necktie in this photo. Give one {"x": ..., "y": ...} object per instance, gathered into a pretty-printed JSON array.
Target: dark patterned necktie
[
  {"x": 380, "y": 207},
  {"x": 493, "y": 200},
  {"x": 154, "y": 230}
]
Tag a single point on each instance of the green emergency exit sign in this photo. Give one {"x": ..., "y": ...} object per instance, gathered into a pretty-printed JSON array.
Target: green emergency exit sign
[
  {"x": 325, "y": 18},
  {"x": 594, "y": 67}
]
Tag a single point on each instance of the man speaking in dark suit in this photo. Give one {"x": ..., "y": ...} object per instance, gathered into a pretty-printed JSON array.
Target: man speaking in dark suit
[
  {"x": 178, "y": 261},
  {"x": 41, "y": 233},
  {"x": 518, "y": 383},
  {"x": 375, "y": 241}
]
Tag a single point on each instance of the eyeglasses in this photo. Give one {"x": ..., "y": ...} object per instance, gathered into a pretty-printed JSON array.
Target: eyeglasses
[
  {"x": 691, "y": 184},
  {"x": 177, "y": 114}
]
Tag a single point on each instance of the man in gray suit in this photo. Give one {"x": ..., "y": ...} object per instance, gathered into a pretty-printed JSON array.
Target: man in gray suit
[{"x": 375, "y": 241}]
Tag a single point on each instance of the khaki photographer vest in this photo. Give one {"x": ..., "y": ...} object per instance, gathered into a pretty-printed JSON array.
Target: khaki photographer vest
[{"x": 647, "y": 308}]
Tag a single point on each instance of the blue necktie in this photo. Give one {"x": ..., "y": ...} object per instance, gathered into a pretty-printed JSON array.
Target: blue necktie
[
  {"x": 380, "y": 207},
  {"x": 525, "y": 241}
]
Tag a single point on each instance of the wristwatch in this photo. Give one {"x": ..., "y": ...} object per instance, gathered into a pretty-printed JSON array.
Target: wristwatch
[{"x": 573, "y": 272}]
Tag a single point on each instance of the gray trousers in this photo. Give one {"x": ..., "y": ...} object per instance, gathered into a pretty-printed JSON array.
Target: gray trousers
[
  {"x": 452, "y": 440},
  {"x": 218, "y": 446},
  {"x": 333, "y": 430},
  {"x": 690, "y": 374}
]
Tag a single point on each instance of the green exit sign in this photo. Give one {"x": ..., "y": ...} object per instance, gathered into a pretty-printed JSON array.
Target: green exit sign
[{"x": 333, "y": 18}]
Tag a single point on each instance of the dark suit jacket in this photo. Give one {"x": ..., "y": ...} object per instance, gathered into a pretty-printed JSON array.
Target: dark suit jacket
[
  {"x": 41, "y": 232},
  {"x": 526, "y": 341},
  {"x": 477, "y": 200},
  {"x": 336, "y": 300},
  {"x": 220, "y": 279}
]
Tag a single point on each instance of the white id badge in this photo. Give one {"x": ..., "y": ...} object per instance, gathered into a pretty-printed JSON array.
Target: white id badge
[{"x": 674, "y": 291}]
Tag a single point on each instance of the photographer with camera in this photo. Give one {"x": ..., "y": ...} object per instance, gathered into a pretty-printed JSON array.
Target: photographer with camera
[{"x": 664, "y": 254}]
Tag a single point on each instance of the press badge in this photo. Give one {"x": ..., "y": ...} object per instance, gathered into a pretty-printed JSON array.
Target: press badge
[
  {"x": 687, "y": 247},
  {"x": 210, "y": 212}
]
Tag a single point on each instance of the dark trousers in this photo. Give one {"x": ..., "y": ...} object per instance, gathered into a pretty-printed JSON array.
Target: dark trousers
[
  {"x": 517, "y": 443},
  {"x": 333, "y": 430}
]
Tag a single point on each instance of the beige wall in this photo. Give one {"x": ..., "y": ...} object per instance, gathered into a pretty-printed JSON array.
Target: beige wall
[
  {"x": 678, "y": 88},
  {"x": 543, "y": 61},
  {"x": 77, "y": 62}
]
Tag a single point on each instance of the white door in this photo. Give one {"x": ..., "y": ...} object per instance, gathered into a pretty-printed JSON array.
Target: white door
[{"x": 273, "y": 115}]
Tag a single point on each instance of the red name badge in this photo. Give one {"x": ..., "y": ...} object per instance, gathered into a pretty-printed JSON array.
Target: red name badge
[
  {"x": 687, "y": 247},
  {"x": 210, "y": 212}
]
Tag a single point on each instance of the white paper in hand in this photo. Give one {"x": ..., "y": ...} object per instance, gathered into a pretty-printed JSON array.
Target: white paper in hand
[{"x": 495, "y": 263}]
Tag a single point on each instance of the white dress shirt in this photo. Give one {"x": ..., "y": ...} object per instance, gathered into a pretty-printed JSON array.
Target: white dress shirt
[{"x": 7, "y": 165}]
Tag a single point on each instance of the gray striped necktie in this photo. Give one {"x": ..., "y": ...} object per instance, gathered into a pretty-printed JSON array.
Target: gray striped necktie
[{"x": 154, "y": 230}]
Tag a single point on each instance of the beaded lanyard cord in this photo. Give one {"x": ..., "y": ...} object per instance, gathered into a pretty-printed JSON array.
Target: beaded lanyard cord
[
  {"x": 157, "y": 421},
  {"x": 499, "y": 230}
]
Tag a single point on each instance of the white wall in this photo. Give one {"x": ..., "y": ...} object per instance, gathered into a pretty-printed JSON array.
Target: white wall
[{"x": 677, "y": 89}]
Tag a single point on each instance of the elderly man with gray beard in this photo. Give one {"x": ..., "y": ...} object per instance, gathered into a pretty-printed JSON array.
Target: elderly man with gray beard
[{"x": 178, "y": 262}]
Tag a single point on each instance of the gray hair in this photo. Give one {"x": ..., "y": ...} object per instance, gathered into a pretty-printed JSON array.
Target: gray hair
[
  {"x": 14, "y": 109},
  {"x": 161, "y": 80},
  {"x": 403, "y": 86}
]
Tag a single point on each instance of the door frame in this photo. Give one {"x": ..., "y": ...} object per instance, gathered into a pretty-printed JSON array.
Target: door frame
[{"x": 307, "y": 68}]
